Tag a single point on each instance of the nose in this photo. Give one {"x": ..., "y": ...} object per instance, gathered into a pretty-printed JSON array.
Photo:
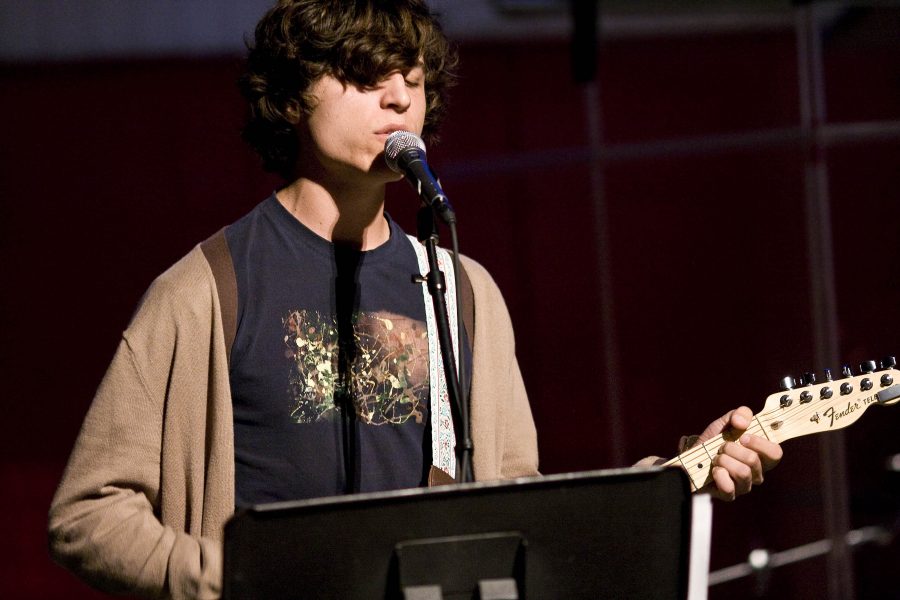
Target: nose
[{"x": 395, "y": 93}]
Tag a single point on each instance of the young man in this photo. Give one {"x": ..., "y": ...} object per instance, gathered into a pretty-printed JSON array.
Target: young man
[{"x": 289, "y": 356}]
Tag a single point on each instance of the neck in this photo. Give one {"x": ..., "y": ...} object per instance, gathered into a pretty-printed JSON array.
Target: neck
[{"x": 341, "y": 213}]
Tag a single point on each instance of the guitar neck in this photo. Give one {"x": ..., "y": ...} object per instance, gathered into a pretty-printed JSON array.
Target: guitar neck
[
  {"x": 795, "y": 412},
  {"x": 697, "y": 460}
]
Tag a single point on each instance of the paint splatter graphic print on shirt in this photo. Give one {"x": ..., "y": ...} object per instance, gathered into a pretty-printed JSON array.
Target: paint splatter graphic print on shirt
[{"x": 383, "y": 367}]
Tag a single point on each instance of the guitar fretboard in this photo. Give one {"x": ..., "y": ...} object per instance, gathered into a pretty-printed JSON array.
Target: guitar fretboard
[{"x": 697, "y": 460}]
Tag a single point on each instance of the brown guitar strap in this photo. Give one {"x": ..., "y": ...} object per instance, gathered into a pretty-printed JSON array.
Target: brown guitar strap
[{"x": 215, "y": 249}]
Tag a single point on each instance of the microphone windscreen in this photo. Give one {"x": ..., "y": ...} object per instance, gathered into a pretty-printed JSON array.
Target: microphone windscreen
[{"x": 396, "y": 143}]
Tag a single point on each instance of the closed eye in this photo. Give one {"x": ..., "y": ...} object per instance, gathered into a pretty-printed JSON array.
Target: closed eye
[{"x": 415, "y": 77}]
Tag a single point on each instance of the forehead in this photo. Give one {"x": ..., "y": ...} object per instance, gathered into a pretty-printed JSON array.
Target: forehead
[
  {"x": 367, "y": 63},
  {"x": 348, "y": 79}
]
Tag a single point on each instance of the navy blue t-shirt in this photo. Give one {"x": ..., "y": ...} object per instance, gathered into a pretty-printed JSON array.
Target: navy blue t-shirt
[{"x": 329, "y": 367}]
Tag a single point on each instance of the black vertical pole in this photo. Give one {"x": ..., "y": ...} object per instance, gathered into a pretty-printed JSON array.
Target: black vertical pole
[
  {"x": 584, "y": 39},
  {"x": 823, "y": 296},
  {"x": 585, "y": 16}
]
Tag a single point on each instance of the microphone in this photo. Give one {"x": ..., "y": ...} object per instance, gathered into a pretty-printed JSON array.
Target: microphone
[{"x": 404, "y": 153}]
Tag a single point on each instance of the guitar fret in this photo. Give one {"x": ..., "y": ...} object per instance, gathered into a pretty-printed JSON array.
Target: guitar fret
[
  {"x": 707, "y": 452},
  {"x": 699, "y": 456},
  {"x": 685, "y": 467},
  {"x": 761, "y": 428}
]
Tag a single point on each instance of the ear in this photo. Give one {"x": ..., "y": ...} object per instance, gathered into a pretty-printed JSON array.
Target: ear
[{"x": 292, "y": 112}]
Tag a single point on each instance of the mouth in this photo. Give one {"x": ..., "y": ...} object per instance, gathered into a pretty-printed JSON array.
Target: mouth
[{"x": 389, "y": 129}]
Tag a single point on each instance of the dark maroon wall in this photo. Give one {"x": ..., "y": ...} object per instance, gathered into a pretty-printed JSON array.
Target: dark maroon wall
[{"x": 111, "y": 171}]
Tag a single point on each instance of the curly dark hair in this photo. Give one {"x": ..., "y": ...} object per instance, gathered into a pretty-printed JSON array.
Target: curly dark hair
[{"x": 358, "y": 42}]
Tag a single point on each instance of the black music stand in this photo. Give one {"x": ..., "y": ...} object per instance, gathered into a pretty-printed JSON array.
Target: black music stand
[{"x": 601, "y": 534}]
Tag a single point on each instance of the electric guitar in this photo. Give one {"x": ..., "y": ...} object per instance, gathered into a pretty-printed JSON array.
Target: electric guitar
[{"x": 803, "y": 408}]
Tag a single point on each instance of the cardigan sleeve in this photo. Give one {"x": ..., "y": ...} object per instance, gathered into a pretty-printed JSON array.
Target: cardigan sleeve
[
  {"x": 105, "y": 521},
  {"x": 520, "y": 455},
  {"x": 502, "y": 424}
]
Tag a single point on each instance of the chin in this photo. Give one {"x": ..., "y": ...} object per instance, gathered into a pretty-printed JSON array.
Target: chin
[{"x": 380, "y": 168}]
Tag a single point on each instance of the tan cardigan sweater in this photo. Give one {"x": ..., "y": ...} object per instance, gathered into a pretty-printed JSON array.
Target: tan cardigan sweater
[{"x": 150, "y": 482}]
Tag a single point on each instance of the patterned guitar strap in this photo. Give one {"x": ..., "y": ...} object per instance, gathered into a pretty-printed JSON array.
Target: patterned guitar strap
[{"x": 443, "y": 438}]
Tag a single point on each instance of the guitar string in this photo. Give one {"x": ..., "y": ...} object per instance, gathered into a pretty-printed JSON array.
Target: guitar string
[{"x": 711, "y": 446}]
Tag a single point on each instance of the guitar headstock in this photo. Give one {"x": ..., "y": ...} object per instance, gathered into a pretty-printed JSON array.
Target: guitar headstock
[
  {"x": 803, "y": 408},
  {"x": 807, "y": 407}
]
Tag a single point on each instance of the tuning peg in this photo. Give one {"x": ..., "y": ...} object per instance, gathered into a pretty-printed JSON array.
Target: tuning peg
[
  {"x": 846, "y": 372},
  {"x": 828, "y": 375},
  {"x": 809, "y": 378},
  {"x": 867, "y": 366},
  {"x": 888, "y": 362},
  {"x": 788, "y": 383}
]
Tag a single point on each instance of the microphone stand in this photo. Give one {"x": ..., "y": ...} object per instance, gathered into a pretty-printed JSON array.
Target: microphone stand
[{"x": 459, "y": 406}]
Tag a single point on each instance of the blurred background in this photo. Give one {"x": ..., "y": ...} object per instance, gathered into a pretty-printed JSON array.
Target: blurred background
[{"x": 682, "y": 202}]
